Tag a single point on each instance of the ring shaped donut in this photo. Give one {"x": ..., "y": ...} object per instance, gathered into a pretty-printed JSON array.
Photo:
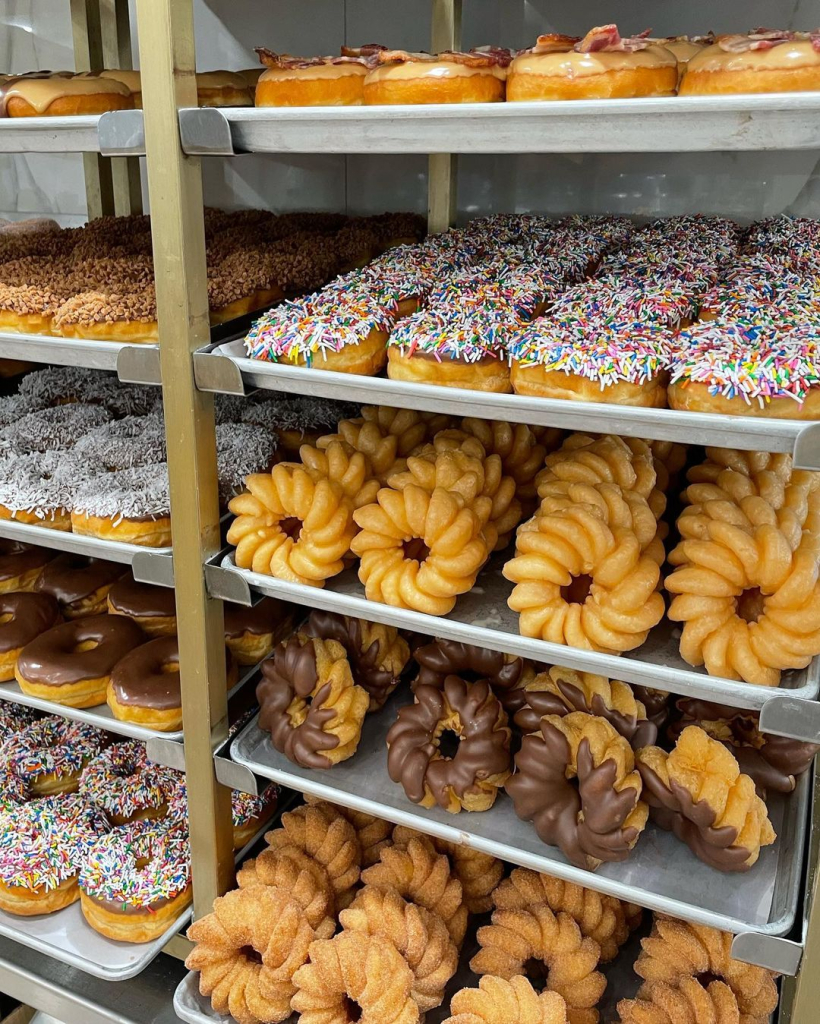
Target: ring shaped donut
[{"x": 23, "y": 617}]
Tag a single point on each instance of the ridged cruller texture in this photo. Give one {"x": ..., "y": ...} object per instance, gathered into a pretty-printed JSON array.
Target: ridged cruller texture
[
  {"x": 373, "y": 833},
  {"x": 497, "y": 1001}
]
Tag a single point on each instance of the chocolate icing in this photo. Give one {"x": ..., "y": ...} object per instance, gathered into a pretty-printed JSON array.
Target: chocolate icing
[
  {"x": 365, "y": 665},
  {"x": 73, "y": 578},
  {"x": 138, "y": 679},
  {"x": 290, "y": 674},
  {"x": 31, "y": 615},
  {"x": 443, "y": 658},
  {"x": 51, "y": 659},
  {"x": 585, "y": 821},
  {"x": 259, "y": 619},
  {"x": 17, "y": 559},
  {"x": 656, "y": 703},
  {"x": 413, "y": 757},
  {"x": 141, "y": 600}
]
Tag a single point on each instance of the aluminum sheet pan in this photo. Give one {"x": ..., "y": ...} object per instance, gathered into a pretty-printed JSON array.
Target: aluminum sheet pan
[
  {"x": 482, "y": 617},
  {"x": 661, "y": 873},
  {"x": 47, "y": 348},
  {"x": 61, "y": 540}
]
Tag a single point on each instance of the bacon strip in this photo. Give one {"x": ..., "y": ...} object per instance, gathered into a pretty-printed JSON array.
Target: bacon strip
[
  {"x": 288, "y": 62},
  {"x": 608, "y": 38},
  {"x": 473, "y": 59},
  {"x": 763, "y": 39},
  {"x": 554, "y": 42}
]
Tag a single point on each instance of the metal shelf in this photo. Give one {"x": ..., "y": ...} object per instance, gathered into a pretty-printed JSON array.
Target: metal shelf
[
  {"x": 134, "y": 364},
  {"x": 116, "y": 133},
  {"x": 668, "y": 124},
  {"x": 481, "y": 617}
]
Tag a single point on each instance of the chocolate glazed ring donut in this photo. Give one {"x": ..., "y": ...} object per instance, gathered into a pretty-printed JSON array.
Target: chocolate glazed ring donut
[
  {"x": 152, "y": 608},
  {"x": 80, "y": 584},
  {"x": 20, "y": 565},
  {"x": 377, "y": 654},
  {"x": 71, "y": 664},
  {"x": 23, "y": 617},
  {"x": 468, "y": 779},
  {"x": 504, "y": 672}
]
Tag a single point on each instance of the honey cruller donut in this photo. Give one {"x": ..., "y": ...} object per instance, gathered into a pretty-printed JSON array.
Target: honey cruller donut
[
  {"x": 366, "y": 971},
  {"x": 248, "y": 950},
  {"x": 689, "y": 1000},
  {"x": 522, "y": 455},
  {"x": 497, "y": 1001}
]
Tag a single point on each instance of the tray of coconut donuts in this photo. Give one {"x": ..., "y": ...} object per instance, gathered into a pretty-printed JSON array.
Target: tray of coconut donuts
[
  {"x": 631, "y": 791},
  {"x": 94, "y": 852},
  {"x": 344, "y": 917}
]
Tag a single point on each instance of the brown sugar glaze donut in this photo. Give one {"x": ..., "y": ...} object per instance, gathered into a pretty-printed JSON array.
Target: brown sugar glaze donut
[
  {"x": 80, "y": 584},
  {"x": 23, "y": 617},
  {"x": 309, "y": 81},
  {"x": 53, "y": 96},
  {"x": 402, "y": 77}
]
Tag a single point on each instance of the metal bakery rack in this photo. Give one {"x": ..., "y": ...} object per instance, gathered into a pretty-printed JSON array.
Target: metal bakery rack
[{"x": 772, "y": 910}]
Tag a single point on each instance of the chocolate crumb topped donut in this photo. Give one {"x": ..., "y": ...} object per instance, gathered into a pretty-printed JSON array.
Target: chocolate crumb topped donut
[
  {"x": 377, "y": 654},
  {"x": 309, "y": 703},
  {"x": 152, "y": 608},
  {"x": 441, "y": 658},
  {"x": 21, "y": 564},
  {"x": 251, "y": 633},
  {"x": 23, "y": 617},
  {"x": 421, "y": 759},
  {"x": 79, "y": 584},
  {"x": 71, "y": 664}
]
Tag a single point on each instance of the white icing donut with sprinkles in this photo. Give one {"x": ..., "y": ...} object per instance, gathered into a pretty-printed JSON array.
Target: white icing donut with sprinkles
[{"x": 122, "y": 782}]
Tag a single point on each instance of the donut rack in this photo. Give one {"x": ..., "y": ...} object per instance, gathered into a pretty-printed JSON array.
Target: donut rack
[{"x": 772, "y": 911}]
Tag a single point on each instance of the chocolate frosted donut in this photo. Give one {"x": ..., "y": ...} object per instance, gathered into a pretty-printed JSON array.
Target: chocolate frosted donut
[
  {"x": 71, "y": 663},
  {"x": 469, "y": 777},
  {"x": 23, "y": 617},
  {"x": 441, "y": 658},
  {"x": 250, "y": 633},
  {"x": 21, "y": 564},
  {"x": 377, "y": 654},
  {"x": 80, "y": 584},
  {"x": 153, "y": 608}
]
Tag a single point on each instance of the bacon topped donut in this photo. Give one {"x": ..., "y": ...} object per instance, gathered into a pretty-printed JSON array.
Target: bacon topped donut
[
  {"x": 477, "y": 76},
  {"x": 766, "y": 60},
  {"x": 289, "y": 81}
]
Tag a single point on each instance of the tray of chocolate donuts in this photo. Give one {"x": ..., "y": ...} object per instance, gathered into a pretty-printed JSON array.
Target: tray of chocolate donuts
[
  {"x": 397, "y": 926},
  {"x": 633, "y": 792}
]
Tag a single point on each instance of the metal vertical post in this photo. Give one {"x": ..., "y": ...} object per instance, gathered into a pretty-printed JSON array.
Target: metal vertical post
[
  {"x": 115, "y": 30},
  {"x": 167, "y": 52},
  {"x": 442, "y": 171}
]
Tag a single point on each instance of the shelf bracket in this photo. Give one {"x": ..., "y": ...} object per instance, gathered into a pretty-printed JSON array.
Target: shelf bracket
[
  {"x": 215, "y": 372},
  {"x": 807, "y": 447},
  {"x": 205, "y": 131},
  {"x": 121, "y": 133},
  {"x": 792, "y": 717},
  {"x": 775, "y": 954},
  {"x": 235, "y": 776},
  {"x": 165, "y": 752},
  {"x": 139, "y": 364},
  {"x": 149, "y": 567},
  {"x": 227, "y": 585}
]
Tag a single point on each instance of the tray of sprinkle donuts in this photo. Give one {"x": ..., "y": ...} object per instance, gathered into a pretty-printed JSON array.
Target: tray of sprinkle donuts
[
  {"x": 95, "y": 865},
  {"x": 646, "y": 796},
  {"x": 345, "y": 917},
  {"x": 81, "y": 633}
]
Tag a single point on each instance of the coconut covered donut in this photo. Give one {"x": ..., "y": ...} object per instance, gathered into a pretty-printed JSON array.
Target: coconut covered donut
[
  {"x": 296, "y": 522},
  {"x": 497, "y": 1001},
  {"x": 39, "y": 489},
  {"x": 309, "y": 702},
  {"x": 248, "y": 950},
  {"x": 505, "y": 673},
  {"x": 124, "y": 444},
  {"x": 576, "y": 781},
  {"x": 560, "y": 691},
  {"x": 418, "y": 934},
  {"x": 132, "y": 506},
  {"x": 377, "y": 654},
  {"x": 699, "y": 793},
  {"x": 58, "y": 385},
  {"x": 242, "y": 449},
  {"x": 52, "y": 430},
  {"x": 689, "y": 999},
  {"x": 677, "y": 950}
]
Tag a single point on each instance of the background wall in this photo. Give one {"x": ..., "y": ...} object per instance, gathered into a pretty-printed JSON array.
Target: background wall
[{"x": 36, "y": 34}]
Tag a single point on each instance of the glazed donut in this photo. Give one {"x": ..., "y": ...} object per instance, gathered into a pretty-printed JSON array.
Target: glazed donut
[
  {"x": 132, "y": 506},
  {"x": 383, "y": 435},
  {"x": 124, "y": 444},
  {"x": 377, "y": 654},
  {"x": 123, "y": 783},
  {"x": 252, "y": 633},
  {"x": 522, "y": 456},
  {"x": 402, "y": 77},
  {"x": 152, "y": 608},
  {"x": 410, "y": 427},
  {"x": 144, "y": 685},
  {"x": 309, "y": 81},
  {"x": 698, "y": 792},
  {"x": 467, "y": 778},
  {"x": 57, "y": 96},
  {"x": 602, "y": 65},
  {"x": 763, "y": 61},
  {"x": 52, "y": 430},
  {"x": 50, "y": 754},
  {"x": 309, "y": 703},
  {"x": 600, "y": 818},
  {"x": 497, "y": 1001},
  {"x": 23, "y": 617},
  {"x": 79, "y": 584},
  {"x": 135, "y": 882},
  {"x": 20, "y": 565},
  {"x": 222, "y": 89},
  {"x": 419, "y": 550},
  {"x": 42, "y": 847}
]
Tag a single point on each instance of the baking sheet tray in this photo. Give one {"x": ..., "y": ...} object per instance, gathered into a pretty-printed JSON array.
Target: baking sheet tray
[{"x": 61, "y": 540}]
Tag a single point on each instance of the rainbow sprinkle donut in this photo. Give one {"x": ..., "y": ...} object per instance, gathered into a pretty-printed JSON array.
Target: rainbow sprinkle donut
[
  {"x": 122, "y": 782},
  {"x": 50, "y": 755}
]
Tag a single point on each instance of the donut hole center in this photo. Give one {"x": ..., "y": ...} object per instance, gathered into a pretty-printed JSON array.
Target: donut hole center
[
  {"x": 292, "y": 527},
  {"x": 750, "y": 605},
  {"x": 251, "y": 955},
  {"x": 448, "y": 744},
  {"x": 85, "y": 645},
  {"x": 536, "y": 972},
  {"x": 169, "y": 668},
  {"x": 707, "y": 978},
  {"x": 577, "y": 591},
  {"x": 353, "y": 1012},
  {"x": 142, "y": 863},
  {"x": 415, "y": 550}
]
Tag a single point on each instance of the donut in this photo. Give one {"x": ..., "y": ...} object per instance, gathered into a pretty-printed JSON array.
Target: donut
[
  {"x": 468, "y": 722},
  {"x": 684, "y": 48},
  {"x": 13, "y": 718},
  {"x": 377, "y": 654},
  {"x": 383, "y": 435},
  {"x": 113, "y": 314},
  {"x": 52, "y": 430},
  {"x": 298, "y": 875},
  {"x": 222, "y": 89},
  {"x": 50, "y": 754},
  {"x": 602, "y": 65},
  {"x": 249, "y": 813},
  {"x": 251, "y": 633},
  {"x": 123, "y": 783},
  {"x": 20, "y": 565},
  {"x": 131, "y": 506},
  {"x": 309, "y": 81},
  {"x": 497, "y": 1001},
  {"x": 79, "y": 583},
  {"x": 23, "y": 617},
  {"x": 576, "y": 781},
  {"x": 762, "y": 61},
  {"x": 57, "y": 96},
  {"x": 58, "y": 385},
  {"x": 144, "y": 685},
  {"x": 42, "y": 847},
  {"x": 373, "y": 833},
  {"x": 309, "y": 703},
  {"x": 296, "y": 419},
  {"x": 124, "y": 444},
  {"x": 404, "y": 272},
  {"x": 135, "y": 881},
  {"x": 698, "y": 792},
  {"x": 241, "y": 449},
  {"x": 441, "y": 658},
  {"x": 522, "y": 454},
  {"x": 660, "y": 1003},
  {"x": 129, "y": 78},
  {"x": 402, "y": 77},
  {"x": 152, "y": 608}
]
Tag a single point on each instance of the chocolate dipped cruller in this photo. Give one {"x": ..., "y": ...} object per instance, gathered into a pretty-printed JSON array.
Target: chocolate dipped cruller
[
  {"x": 575, "y": 780},
  {"x": 506, "y": 673},
  {"x": 309, "y": 703},
  {"x": 657, "y": 704},
  {"x": 470, "y": 777},
  {"x": 377, "y": 654}
]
